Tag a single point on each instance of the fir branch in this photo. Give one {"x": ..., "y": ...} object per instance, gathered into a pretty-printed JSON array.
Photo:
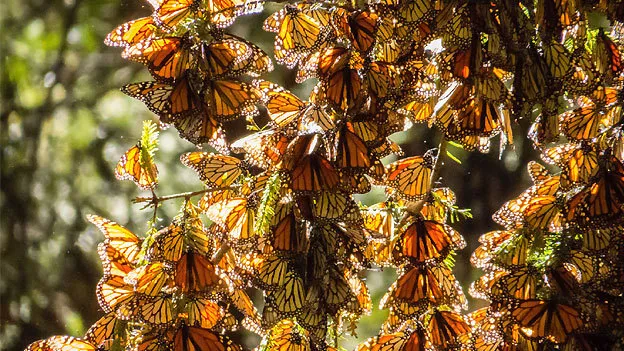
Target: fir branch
[
  {"x": 149, "y": 144},
  {"x": 267, "y": 204}
]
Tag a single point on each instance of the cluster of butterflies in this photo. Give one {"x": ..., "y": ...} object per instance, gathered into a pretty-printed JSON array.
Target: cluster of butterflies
[
  {"x": 425, "y": 302},
  {"x": 195, "y": 65},
  {"x": 282, "y": 216},
  {"x": 554, "y": 275},
  {"x": 163, "y": 292}
]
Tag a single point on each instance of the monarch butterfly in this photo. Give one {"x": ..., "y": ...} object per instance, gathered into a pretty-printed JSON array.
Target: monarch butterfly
[
  {"x": 113, "y": 293},
  {"x": 138, "y": 166},
  {"x": 168, "y": 245},
  {"x": 299, "y": 30},
  {"x": 283, "y": 107},
  {"x": 485, "y": 330},
  {"x": 165, "y": 100},
  {"x": 350, "y": 150},
  {"x": 397, "y": 320},
  {"x": 345, "y": 291},
  {"x": 362, "y": 303},
  {"x": 195, "y": 273},
  {"x": 478, "y": 118},
  {"x": 601, "y": 202},
  {"x": 417, "y": 111},
  {"x": 314, "y": 319},
  {"x": 342, "y": 84},
  {"x": 543, "y": 212},
  {"x": 181, "y": 105},
  {"x": 461, "y": 115},
  {"x": 537, "y": 172},
  {"x": 417, "y": 11},
  {"x": 580, "y": 164},
  {"x": 288, "y": 335},
  {"x": 327, "y": 207},
  {"x": 411, "y": 176},
  {"x": 149, "y": 279},
  {"x": 581, "y": 265},
  {"x": 366, "y": 128},
  {"x": 415, "y": 340},
  {"x": 267, "y": 271},
  {"x": 203, "y": 312},
  {"x": 519, "y": 284},
  {"x": 222, "y": 13},
  {"x": 381, "y": 79},
  {"x": 379, "y": 219},
  {"x": 196, "y": 236},
  {"x": 421, "y": 287},
  {"x": 317, "y": 259},
  {"x": 197, "y": 338},
  {"x": 584, "y": 122},
  {"x": 496, "y": 242},
  {"x": 168, "y": 13},
  {"x": 553, "y": 16},
  {"x": 118, "y": 237},
  {"x": 585, "y": 77},
  {"x": 512, "y": 252},
  {"x": 105, "y": 330},
  {"x": 596, "y": 239},
  {"x": 232, "y": 56},
  {"x": 445, "y": 327},
  {"x": 608, "y": 55},
  {"x": 461, "y": 64},
  {"x": 114, "y": 263},
  {"x": 547, "y": 318},
  {"x": 214, "y": 170},
  {"x": 510, "y": 215},
  {"x": 490, "y": 87},
  {"x": 167, "y": 58},
  {"x": 263, "y": 149},
  {"x": 132, "y": 32},
  {"x": 379, "y": 252},
  {"x": 337, "y": 292},
  {"x": 424, "y": 240},
  {"x": 316, "y": 116},
  {"x": 289, "y": 298},
  {"x": 157, "y": 310},
  {"x": 557, "y": 60},
  {"x": 229, "y": 99},
  {"x": 437, "y": 204},
  {"x": 530, "y": 82},
  {"x": 62, "y": 343},
  {"x": 287, "y": 233},
  {"x": 244, "y": 305},
  {"x": 313, "y": 173},
  {"x": 455, "y": 27},
  {"x": 335, "y": 235},
  {"x": 302, "y": 145},
  {"x": 359, "y": 28}
]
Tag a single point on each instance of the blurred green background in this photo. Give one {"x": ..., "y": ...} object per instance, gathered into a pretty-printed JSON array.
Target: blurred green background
[{"x": 64, "y": 125}]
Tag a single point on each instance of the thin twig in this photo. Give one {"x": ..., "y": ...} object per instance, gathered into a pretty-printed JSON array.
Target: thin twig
[
  {"x": 155, "y": 200},
  {"x": 155, "y": 208}
]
